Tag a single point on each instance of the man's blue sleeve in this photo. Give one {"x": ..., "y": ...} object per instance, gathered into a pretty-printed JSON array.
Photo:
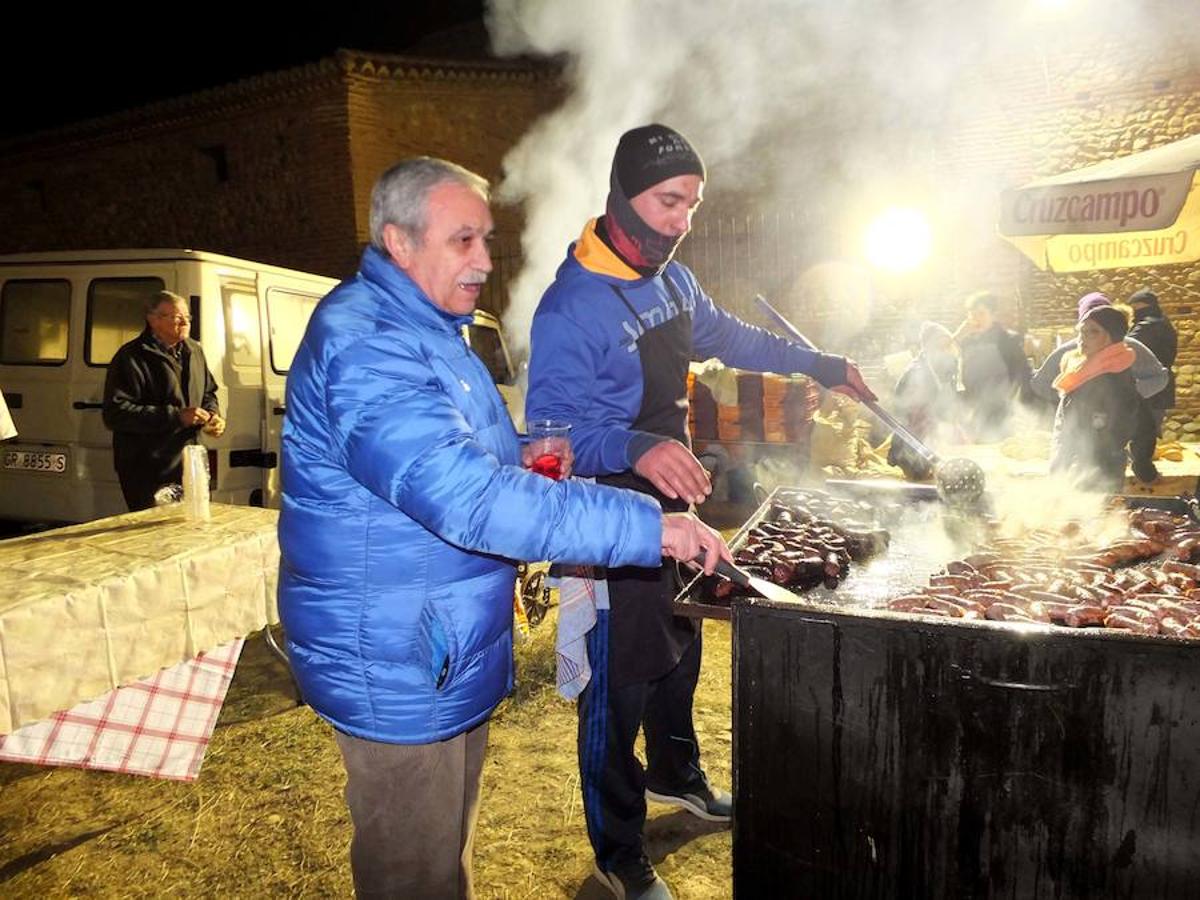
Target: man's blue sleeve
[
  {"x": 402, "y": 438},
  {"x": 718, "y": 333}
]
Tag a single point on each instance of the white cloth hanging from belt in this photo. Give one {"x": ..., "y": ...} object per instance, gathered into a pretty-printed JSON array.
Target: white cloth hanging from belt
[{"x": 580, "y": 594}]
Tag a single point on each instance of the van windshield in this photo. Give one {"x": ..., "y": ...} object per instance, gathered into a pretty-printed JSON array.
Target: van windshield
[{"x": 488, "y": 347}]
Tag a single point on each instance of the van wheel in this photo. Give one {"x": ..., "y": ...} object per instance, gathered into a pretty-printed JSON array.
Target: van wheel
[{"x": 256, "y": 498}]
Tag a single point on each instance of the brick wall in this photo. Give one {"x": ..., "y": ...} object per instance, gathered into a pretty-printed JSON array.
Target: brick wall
[
  {"x": 472, "y": 115},
  {"x": 277, "y": 168},
  {"x": 258, "y": 170}
]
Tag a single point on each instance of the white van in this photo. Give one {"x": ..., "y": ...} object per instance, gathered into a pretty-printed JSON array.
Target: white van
[{"x": 64, "y": 314}]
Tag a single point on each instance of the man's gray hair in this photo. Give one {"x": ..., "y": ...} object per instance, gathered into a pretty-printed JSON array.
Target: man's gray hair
[
  {"x": 399, "y": 196},
  {"x": 158, "y": 298}
]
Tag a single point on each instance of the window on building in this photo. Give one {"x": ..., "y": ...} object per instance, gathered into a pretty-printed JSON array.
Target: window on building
[
  {"x": 220, "y": 161},
  {"x": 116, "y": 313},
  {"x": 287, "y": 316},
  {"x": 34, "y": 322}
]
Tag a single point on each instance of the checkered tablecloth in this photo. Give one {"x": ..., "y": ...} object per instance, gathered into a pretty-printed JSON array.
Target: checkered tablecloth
[{"x": 159, "y": 726}]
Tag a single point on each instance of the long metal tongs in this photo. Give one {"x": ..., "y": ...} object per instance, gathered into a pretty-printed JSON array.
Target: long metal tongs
[{"x": 882, "y": 414}]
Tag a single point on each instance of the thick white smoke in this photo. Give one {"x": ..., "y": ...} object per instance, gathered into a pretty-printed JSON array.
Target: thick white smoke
[
  {"x": 777, "y": 95},
  {"x": 739, "y": 78}
]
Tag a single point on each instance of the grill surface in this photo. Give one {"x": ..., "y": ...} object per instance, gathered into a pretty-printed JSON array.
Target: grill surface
[
  {"x": 924, "y": 537},
  {"x": 920, "y": 545}
]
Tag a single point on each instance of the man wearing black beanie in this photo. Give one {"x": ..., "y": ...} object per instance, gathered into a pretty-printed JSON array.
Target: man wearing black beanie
[
  {"x": 645, "y": 156},
  {"x": 1152, "y": 327},
  {"x": 611, "y": 342}
]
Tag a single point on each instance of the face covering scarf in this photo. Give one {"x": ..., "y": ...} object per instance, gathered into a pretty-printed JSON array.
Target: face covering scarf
[{"x": 635, "y": 241}]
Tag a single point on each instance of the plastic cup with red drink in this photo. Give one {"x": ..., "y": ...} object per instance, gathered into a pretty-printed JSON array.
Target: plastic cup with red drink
[{"x": 549, "y": 445}]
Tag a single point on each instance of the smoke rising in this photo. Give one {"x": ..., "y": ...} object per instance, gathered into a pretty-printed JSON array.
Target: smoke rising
[
  {"x": 739, "y": 78},
  {"x": 781, "y": 97}
]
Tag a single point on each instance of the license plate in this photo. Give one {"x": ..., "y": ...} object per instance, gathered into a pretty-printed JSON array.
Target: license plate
[{"x": 36, "y": 461}]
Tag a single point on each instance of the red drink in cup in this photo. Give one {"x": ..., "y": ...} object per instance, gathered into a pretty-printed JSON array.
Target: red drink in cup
[
  {"x": 549, "y": 442},
  {"x": 548, "y": 464}
]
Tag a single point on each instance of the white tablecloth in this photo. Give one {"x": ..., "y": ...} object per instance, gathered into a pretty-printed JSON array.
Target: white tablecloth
[{"x": 92, "y": 607}]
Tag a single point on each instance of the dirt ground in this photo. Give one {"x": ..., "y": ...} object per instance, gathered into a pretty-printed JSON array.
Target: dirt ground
[{"x": 266, "y": 817}]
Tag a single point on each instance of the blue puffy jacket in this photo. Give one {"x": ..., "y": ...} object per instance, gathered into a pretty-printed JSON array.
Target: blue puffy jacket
[{"x": 403, "y": 504}]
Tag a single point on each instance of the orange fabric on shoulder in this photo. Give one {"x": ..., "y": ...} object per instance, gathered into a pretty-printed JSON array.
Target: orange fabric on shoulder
[
  {"x": 596, "y": 256},
  {"x": 1078, "y": 369}
]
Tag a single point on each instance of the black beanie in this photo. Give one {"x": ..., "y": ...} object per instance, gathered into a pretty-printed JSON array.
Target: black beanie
[
  {"x": 1144, "y": 296},
  {"x": 650, "y": 154},
  {"x": 1111, "y": 320}
]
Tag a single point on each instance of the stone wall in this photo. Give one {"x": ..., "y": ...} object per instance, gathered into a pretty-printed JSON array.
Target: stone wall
[
  {"x": 1067, "y": 101},
  {"x": 1110, "y": 106}
]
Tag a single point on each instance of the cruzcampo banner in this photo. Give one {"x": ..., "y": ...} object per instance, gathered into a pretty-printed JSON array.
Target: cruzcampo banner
[{"x": 1139, "y": 210}]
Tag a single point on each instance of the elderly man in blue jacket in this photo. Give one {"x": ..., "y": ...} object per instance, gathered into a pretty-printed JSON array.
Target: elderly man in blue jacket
[
  {"x": 612, "y": 338},
  {"x": 404, "y": 504}
]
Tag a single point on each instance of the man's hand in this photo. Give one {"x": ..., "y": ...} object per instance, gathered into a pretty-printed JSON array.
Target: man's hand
[
  {"x": 685, "y": 537},
  {"x": 671, "y": 468},
  {"x": 215, "y": 425},
  {"x": 855, "y": 386},
  {"x": 193, "y": 415}
]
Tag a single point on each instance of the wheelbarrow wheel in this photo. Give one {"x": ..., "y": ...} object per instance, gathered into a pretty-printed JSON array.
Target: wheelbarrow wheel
[{"x": 535, "y": 597}]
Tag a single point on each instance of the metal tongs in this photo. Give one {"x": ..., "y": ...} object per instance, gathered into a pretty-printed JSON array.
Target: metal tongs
[{"x": 959, "y": 481}]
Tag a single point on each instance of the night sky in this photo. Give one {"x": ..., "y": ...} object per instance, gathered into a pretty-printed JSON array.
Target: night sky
[{"x": 60, "y": 64}]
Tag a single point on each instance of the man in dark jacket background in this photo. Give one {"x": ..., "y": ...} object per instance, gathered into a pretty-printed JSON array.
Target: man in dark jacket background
[
  {"x": 1153, "y": 329},
  {"x": 926, "y": 395},
  {"x": 995, "y": 372},
  {"x": 158, "y": 395}
]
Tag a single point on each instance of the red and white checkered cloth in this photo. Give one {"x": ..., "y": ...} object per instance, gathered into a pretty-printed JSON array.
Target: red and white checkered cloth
[{"x": 159, "y": 726}]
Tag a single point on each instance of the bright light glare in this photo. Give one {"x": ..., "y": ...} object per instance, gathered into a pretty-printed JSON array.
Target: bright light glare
[
  {"x": 1054, "y": 5},
  {"x": 898, "y": 240}
]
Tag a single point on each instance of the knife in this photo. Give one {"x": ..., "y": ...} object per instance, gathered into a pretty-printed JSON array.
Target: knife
[{"x": 761, "y": 586}]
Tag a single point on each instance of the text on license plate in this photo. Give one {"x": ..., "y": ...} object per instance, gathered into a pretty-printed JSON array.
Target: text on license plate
[{"x": 35, "y": 460}]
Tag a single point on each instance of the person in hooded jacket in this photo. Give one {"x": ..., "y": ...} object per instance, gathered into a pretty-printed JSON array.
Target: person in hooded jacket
[
  {"x": 1149, "y": 376},
  {"x": 158, "y": 396},
  {"x": 926, "y": 396},
  {"x": 1097, "y": 408},
  {"x": 611, "y": 341},
  {"x": 405, "y": 503},
  {"x": 1153, "y": 328}
]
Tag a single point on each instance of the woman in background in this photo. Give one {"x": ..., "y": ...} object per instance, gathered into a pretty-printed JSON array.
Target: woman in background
[{"x": 1097, "y": 404}]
